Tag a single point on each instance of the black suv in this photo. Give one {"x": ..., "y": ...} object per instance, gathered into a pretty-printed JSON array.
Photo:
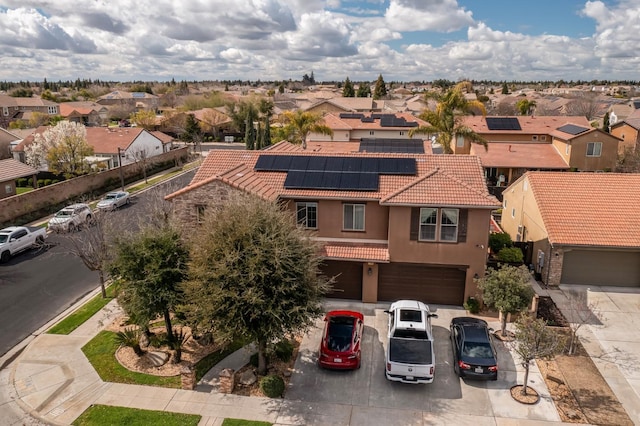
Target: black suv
[{"x": 474, "y": 355}]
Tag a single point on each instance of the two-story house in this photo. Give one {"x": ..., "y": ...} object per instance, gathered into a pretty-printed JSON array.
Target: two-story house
[
  {"x": 20, "y": 108},
  {"x": 85, "y": 112},
  {"x": 628, "y": 130},
  {"x": 391, "y": 225},
  {"x": 585, "y": 227}
]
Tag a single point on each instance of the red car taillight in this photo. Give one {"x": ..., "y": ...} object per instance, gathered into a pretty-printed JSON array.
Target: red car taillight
[
  {"x": 463, "y": 365},
  {"x": 493, "y": 369},
  {"x": 431, "y": 370},
  {"x": 388, "y": 366}
]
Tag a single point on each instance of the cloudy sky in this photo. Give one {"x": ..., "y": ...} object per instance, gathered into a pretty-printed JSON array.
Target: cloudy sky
[{"x": 403, "y": 40}]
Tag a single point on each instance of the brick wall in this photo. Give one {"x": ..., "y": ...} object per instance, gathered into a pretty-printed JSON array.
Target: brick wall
[
  {"x": 556, "y": 257},
  {"x": 65, "y": 192},
  {"x": 184, "y": 205}
]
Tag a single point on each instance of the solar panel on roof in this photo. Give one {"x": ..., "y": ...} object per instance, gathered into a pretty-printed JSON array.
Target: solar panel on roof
[
  {"x": 137, "y": 95},
  {"x": 282, "y": 162},
  {"x": 339, "y": 181},
  {"x": 265, "y": 162},
  {"x": 351, "y": 115},
  {"x": 300, "y": 162},
  {"x": 386, "y": 122},
  {"x": 317, "y": 163},
  {"x": 503, "y": 123},
  {"x": 412, "y": 146},
  {"x": 367, "y": 119},
  {"x": 572, "y": 129},
  {"x": 334, "y": 164}
]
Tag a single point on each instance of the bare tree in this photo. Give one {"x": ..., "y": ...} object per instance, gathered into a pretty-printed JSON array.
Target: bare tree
[
  {"x": 93, "y": 245},
  {"x": 535, "y": 340},
  {"x": 629, "y": 161},
  {"x": 579, "y": 311},
  {"x": 585, "y": 104},
  {"x": 141, "y": 158}
]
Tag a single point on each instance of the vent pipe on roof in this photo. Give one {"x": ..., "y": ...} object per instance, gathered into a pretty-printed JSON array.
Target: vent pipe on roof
[{"x": 509, "y": 148}]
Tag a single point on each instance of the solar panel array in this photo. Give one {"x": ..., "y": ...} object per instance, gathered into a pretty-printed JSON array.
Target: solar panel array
[
  {"x": 410, "y": 146},
  {"x": 503, "y": 123},
  {"x": 394, "y": 121},
  {"x": 351, "y": 115},
  {"x": 572, "y": 129},
  {"x": 336, "y": 173}
]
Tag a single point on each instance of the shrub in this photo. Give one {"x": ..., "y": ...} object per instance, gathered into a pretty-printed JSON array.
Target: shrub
[
  {"x": 130, "y": 337},
  {"x": 472, "y": 305},
  {"x": 40, "y": 183},
  {"x": 21, "y": 182},
  {"x": 272, "y": 386},
  {"x": 284, "y": 350},
  {"x": 499, "y": 240},
  {"x": 510, "y": 254},
  {"x": 30, "y": 182},
  {"x": 253, "y": 360},
  {"x": 54, "y": 181},
  {"x": 47, "y": 182}
]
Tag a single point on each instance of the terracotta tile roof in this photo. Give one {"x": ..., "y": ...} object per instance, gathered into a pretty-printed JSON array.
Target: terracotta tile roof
[
  {"x": 589, "y": 209},
  {"x": 285, "y": 146},
  {"x": 11, "y": 169},
  {"x": 165, "y": 138},
  {"x": 459, "y": 179},
  {"x": 106, "y": 140},
  {"x": 28, "y": 140},
  {"x": 493, "y": 226},
  {"x": 68, "y": 109},
  {"x": 356, "y": 252},
  {"x": 535, "y": 125},
  {"x": 336, "y": 123},
  {"x": 520, "y": 155}
]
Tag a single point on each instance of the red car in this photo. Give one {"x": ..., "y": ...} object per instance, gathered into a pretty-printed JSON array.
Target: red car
[{"x": 340, "y": 345}]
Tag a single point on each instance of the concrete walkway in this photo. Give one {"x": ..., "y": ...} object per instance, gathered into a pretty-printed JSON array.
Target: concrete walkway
[{"x": 52, "y": 382}]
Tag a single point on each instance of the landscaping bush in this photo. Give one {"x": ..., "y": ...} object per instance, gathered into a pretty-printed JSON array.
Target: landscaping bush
[
  {"x": 54, "y": 181},
  {"x": 511, "y": 255},
  {"x": 472, "y": 305},
  {"x": 47, "y": 182},
  {"x": 272, "y": 386},
  {"x": 40, "y": 183},
  {"x": 284, "y": 350},
  {"x": 21, "y": 182},
  {"x": 30, "y": 182},
  {"x": 130, "y": 337},
  {"x": 499, "y": 240}
]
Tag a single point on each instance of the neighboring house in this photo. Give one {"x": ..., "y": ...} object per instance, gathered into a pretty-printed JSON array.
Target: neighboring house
[
  {"x": 212, "y": 121},
  {"x": 336, "y": 105},
  {"x": 134, "y": 100},
  {"x": 19, "y": 108},
  {"x": 86, "y": 112},
  {"x": 392, "y": 226},
  {"x": 132, "y": 143},
  {"x": 7, "y": 140},
  {"x": 10, "y": 171},
  {"x": 628, "y": 130},
  {"x": 373, "y": 132},
  {"x": 521, "y": 143},
  {"x": 585, "y": 227},
  {"x": 620, "y": 112}
]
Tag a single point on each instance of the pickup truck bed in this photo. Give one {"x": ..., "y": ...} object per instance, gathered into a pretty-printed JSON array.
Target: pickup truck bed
[{"x": 410, "y": 351}]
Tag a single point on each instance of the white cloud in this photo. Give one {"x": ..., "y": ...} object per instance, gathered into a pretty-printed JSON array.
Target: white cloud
[{"x": 432, "y": 15}]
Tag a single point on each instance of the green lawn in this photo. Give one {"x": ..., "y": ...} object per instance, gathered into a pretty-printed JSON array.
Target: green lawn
[
  {"x": 107, "y": 415},
  {"x": 239, "y": 422},
  {"x": 85, "y": 312},
  {"x": 22, "y": 190}
]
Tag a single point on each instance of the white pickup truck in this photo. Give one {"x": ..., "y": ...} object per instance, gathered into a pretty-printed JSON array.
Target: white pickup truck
[
  {"x": 410, "y": 357},
  {"x": 15, "y": 239}
]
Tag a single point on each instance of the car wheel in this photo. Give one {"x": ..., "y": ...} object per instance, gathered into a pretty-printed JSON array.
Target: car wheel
[
  {"x": 128, "y": 201},
  {"x": 5, "y": 256},
  {"x": 72, "y": 227}
]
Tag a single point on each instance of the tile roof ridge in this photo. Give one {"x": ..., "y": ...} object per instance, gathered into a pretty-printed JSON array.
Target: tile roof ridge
[
  {"x": 466, "y": 185},
  {"x": 410, "y": 185}
]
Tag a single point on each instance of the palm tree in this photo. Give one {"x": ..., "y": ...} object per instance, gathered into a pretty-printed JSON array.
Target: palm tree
[
  {"x": 298, "y": 125},
  {"x": 525, "y": 106},
  {"x": 446, "y": 120}
]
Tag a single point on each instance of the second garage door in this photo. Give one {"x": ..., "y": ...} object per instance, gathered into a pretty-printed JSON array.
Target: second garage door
[
  {"x": 592, "y": 267},
  {"x": 348, "y": 278},
  {"x": 429, "y": 284}
]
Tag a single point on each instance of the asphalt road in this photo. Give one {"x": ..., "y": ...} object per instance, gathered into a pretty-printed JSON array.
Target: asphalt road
[{"x": 38, "y": 285}]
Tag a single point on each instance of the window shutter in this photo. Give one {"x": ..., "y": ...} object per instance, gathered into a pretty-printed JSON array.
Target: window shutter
[
  {"x": 415, "y": 223},
  {"x": 462, "y": 225}
]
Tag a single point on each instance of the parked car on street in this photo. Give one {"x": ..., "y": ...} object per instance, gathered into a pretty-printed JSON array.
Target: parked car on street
[
  {"x": 341, "y": 339},
  {"x": 15, "y": 239},
  {"x": 113, "y": 200},
  {"x": 474, "y": 355},
  {"x": 410, "y": 357},
  {"x": 71, "y": 218}
]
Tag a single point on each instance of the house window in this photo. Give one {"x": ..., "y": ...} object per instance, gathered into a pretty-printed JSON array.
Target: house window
[
  {"x": 513, "y": 212},
  {"x": 543, "y": 138},
  {"x": 353, "y": 219},
  {"x": 200, "y": 210},
  {"x": 534, "y": 137},
  {"x": 53, "y": 110},
  {"x": 459, "y": 141},
  {"x": 371, "y": 132},
  {"x": 566, "y": 149},
  {"x": 5, "y": 111},
  {"x": 504, "y": 203},
  {"x": 307, "y": 215},
  {"x": 8, "y": 189},
  {"x": 443, "y": 227},
  {"x": 402, "y": 133},
  {"x": 594, "y": 149}
]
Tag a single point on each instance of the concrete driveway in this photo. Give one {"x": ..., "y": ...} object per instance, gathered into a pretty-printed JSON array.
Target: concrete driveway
[
  {"x": 357, "y": 397},
  {"x": 612, "y": 339}
]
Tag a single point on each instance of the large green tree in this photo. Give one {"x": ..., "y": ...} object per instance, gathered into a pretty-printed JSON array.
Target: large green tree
[
  {"x": 347, "y": 89},
  {"x": 380, "y": 89},
  {"x": 298, "y": 124},
  {"x": 506, "y": 290},
  {"x": 149, "y": 267},
  {"x": 253, "y": 274},
  {"x": 524, "y": 106},
  {"x": 446, "y": 121},
  {"x": 364, "y": 90}
]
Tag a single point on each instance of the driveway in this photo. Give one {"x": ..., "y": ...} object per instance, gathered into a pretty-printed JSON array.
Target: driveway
[
  {"x": 359, "y": 396},
  {"x": 612, "y": 340}
]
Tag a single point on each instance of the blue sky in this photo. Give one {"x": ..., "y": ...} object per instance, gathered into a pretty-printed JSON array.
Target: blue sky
[{"x": 403, "y": 40}]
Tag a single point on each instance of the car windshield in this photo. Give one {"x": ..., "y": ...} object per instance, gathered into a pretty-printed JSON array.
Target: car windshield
[
  {"x": 477, "y": 350},
  {"x": 3, "y": 238},
  {"x": 110, "y": 197},
  {"x": 411, "y": 315},
  {"x": 64, "y": 213},
  {"x": 339, "y": 334}
]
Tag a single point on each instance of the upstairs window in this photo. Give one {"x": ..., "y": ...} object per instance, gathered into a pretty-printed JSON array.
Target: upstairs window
[
  {"x": 459, "y": 141},
  {"x": 439, "y": 224},
  {"x": 200, "y": 211},
  {"x": 353, "y": 217},
  {"x": 594, "y": 149},
  {"x": 307, "y": 214}
]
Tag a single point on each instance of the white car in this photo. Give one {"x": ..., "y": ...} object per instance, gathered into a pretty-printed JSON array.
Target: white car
[
  {"x": 113, "y": 200},
  {"x": 71, "y": 218}
]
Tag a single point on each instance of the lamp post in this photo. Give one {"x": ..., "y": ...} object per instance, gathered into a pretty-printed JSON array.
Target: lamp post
[{"x": 120, "y": 168}]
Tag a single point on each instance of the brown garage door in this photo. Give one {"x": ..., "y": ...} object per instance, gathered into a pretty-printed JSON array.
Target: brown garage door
[
  {"x": 348, "y": 278},
  {"x": 600, "y": 267},
  {"x": 429, "y": 284}
]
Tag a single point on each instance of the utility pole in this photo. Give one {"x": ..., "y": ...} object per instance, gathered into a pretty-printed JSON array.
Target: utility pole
[{"x": 120, "y": 168}]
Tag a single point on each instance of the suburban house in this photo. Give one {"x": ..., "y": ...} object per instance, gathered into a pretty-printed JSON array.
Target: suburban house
[
  {"x": 133, "y": 100},
  {"x": 10, "y": 171},
  {"x": 374, "y": 132},
  {"x": 85, "y": 112},
  {"x": 628, "y": 130},
  {"x": 392, "y": 225},
  {"x": 212, "y": 121},
  {"x": 547, "y": 143},
  {"x": 585, "y": 227},
  {"x": 21, "y": 108},
  {"x": 110, "y": 144},
  {"x": 338, "y": 104}
]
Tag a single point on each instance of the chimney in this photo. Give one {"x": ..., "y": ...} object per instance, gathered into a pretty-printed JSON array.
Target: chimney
[{"x": 509, "y": 148}]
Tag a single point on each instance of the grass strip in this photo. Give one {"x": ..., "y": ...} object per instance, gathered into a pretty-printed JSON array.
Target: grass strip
[
  {"x": 78, "y": 317},
  {"x": 108, "y": 415}
]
